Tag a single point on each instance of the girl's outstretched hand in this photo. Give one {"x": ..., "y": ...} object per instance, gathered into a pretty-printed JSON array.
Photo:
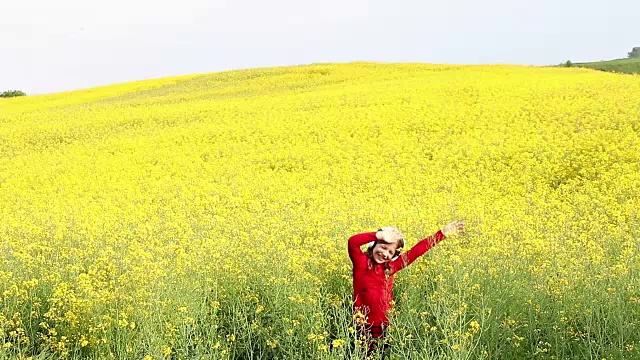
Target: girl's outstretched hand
[{"x": 453, "y": 228}]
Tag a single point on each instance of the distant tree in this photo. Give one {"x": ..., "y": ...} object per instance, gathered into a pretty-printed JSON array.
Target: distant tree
[
  {"x": 568, "y": 63},
  {"x": 12, "y": 93},
  {"x": 635, "y": 52}
]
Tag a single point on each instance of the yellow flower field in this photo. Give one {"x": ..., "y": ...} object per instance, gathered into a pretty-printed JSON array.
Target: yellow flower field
[{"x": 206, "y": 216}]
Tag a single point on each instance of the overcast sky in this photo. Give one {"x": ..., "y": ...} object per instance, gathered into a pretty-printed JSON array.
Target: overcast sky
[{"x": 51, "y": 46}]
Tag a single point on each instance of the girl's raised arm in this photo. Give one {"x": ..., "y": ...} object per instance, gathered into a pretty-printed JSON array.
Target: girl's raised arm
[
  {"x": 358, "y": 240},
  {"x": 415, "y": 252},
  {"x": 451, "y": 229}
]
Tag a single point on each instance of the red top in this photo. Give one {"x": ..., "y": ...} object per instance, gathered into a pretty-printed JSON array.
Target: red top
[{"x": 372, "y": 288}]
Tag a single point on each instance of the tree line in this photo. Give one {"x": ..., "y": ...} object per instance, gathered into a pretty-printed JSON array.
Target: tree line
[
  {"x": 11, "y": 93},
  {"x": 634, "y": 53}
]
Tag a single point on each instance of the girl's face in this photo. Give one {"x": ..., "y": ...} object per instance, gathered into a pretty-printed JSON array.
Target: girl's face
[{"x": 383, "y": 252}]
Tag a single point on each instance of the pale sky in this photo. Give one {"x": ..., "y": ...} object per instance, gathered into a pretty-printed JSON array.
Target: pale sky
[{"x": 50, "y": 46}]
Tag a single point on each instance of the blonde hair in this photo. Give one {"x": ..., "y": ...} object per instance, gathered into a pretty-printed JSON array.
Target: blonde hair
[{"x": 391, "y": 236}]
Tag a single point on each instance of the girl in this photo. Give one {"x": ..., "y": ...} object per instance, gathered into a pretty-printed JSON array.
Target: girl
[{"x": 373, "y": 273}]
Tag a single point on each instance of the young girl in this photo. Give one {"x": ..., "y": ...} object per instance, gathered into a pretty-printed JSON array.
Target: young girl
[{"x": 373, "y": 273}]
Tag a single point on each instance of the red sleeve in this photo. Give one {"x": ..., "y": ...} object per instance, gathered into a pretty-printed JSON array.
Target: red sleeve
[
  {"x": 415, "y": 252},
  {"x": 355, "y": 242}
]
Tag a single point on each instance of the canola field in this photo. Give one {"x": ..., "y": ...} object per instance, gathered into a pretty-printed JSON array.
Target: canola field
[{"x": 207, "y": 216}]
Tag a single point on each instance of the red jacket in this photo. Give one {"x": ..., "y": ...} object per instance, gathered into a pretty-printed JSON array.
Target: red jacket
[{"x": 372, "y": 288}]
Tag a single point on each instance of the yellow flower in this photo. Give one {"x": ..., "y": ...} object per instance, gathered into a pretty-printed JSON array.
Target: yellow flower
[
  {"x": 240, "y": 189},
  {"x": 272, "y": 343},
  {"x": 337, "y": 343},
  {"x": 474, "y": 327},
  {"x": 166, "y": 351}
]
